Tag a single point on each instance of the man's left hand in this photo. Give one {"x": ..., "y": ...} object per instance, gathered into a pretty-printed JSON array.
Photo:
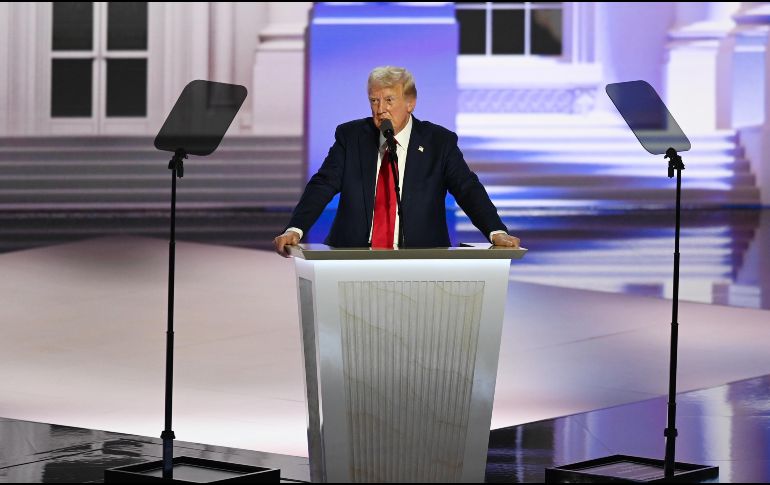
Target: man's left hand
[{"x": 507, "y": 240}]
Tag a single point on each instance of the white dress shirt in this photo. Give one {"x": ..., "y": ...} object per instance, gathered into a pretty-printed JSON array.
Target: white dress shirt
[{"x": 402, "y": 146}]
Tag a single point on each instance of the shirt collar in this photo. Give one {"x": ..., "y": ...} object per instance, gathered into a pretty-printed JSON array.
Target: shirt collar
[{"x": 403, "y": 136}]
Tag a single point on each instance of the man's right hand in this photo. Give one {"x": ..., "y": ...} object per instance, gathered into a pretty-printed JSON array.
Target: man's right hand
[{"x": 288, "y": 238}]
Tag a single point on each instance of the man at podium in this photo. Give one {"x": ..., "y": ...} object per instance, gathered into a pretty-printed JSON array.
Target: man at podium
[{"x": 358, "y": 167}]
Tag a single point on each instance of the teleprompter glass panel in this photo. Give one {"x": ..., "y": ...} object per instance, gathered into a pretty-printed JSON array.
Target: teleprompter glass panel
[
  {"x": 200, "y": 117},
  {"x": 648, "y": 117}
]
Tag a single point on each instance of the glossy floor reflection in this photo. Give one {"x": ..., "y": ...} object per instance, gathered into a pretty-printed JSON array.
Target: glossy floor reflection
[
  {"x": 45, "y": 453},
  {"x": 726, "y": 426}
]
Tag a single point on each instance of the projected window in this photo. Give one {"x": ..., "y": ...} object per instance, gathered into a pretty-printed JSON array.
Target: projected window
[
  {"x": 99, "y": 57},
  {"x": 523, "y": 28}
]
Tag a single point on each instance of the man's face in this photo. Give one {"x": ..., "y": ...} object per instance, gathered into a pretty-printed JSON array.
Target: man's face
[{"x": 390, "y": 104}]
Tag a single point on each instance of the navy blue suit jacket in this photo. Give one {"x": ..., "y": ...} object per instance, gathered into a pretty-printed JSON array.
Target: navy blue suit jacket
[{"x": 351, "y": 170}]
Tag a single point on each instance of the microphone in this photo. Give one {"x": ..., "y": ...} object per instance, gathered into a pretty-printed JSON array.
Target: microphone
[{"x": 386, "y": 127}]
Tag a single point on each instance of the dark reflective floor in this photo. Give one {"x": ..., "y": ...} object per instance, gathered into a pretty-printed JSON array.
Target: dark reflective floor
[
  {"x": 44, "y": 453},
  {"x": 727, "y": 426}
]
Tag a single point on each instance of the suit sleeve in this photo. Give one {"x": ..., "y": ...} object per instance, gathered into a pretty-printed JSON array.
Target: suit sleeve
[
  {"x": 322, "y": 187},
  {"x": 467, "y": 190}
]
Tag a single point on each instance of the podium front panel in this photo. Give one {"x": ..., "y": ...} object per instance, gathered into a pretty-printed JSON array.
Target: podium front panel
[{"x": 400, "y": 362}]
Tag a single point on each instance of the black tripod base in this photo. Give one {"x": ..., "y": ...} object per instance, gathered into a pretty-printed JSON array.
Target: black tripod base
[
  {"x": 623, "y": 468},
  {"x": 193, "y": 470}
]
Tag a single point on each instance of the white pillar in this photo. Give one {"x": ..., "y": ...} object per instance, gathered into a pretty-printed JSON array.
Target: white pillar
[
  {"x": 761, "y": 167},
  {"x": 746, "y": 106},
  {"x": 222, "y": 42},
  {"x": 749, "y": 107},
  {"x": 185, "y": 47},
  {"x": 5, "y": 18},
  {"x": 23, "y": 63},
  {"x": 743, "y": 103},
  {"x": 277, "y": 96},
  {"x": 693, "y": 60}
]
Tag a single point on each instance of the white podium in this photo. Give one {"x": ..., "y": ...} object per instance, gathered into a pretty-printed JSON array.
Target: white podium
[{"x": 401, "y": 350}]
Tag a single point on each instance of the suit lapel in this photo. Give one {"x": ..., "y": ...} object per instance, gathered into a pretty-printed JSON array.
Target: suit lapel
[{"x": 367, "y": 153}]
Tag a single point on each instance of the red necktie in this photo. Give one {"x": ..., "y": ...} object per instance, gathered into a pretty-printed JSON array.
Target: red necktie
[{"x": 384, "y": 206}]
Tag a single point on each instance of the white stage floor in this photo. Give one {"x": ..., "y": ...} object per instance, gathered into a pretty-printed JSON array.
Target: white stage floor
[{"x": 83, "y": 340}]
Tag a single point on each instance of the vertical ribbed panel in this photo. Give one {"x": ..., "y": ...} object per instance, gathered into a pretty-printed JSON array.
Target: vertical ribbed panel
[{"x": 409, "y": 350}]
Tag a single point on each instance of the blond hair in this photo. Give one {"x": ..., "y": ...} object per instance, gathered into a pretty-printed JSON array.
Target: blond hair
[{"x": 389, "y": 76}]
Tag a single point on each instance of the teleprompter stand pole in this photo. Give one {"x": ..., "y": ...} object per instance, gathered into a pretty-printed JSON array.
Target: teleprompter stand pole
[
  {"x": 674, "y": 165},
  {"x": 176, "y": 165},
  {"x": 196, "y": 125},
  {"x": 659, "y": 134}
]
